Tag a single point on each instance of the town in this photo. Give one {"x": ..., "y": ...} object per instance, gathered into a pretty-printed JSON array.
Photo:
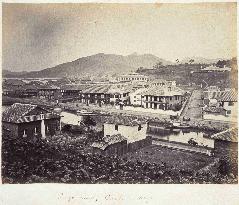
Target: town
[
  {"x": 119, "y": 94},
  {"x": 131, "y": 117}
]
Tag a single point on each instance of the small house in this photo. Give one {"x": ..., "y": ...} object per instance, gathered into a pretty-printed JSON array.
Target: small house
[
  {"x": 220, "y": 105},
  {"x": 27, "y": 120},
  {"x": 226, "y": 140}
]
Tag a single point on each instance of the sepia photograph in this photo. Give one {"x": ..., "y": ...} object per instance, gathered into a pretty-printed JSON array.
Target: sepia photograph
[{"x": 107, "y": 93}]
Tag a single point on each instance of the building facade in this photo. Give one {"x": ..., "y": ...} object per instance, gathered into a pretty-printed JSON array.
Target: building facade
[
  {"x": 26, "y": 120},
  {"x": 132, "y": 77},
  {"x": 220, "y": 103},
  {"x": 163, "y": 97}
]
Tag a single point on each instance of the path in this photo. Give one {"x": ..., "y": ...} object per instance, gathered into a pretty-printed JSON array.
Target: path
[{"x": 193, "y": 108}]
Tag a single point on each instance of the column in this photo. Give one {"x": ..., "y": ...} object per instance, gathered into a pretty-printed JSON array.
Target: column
[
  {"x": 60, "y": 124},
  {"x": 43, "y": 131}
]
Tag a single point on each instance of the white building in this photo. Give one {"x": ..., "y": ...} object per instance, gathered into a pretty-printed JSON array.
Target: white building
[
  {"x": 132, "y": 77},
  {"x": 136, "y": 98},
  {"x": 131, "y": 131},
  {"x": 160, "y": 82},
  {"x": 212, "y": 68}
]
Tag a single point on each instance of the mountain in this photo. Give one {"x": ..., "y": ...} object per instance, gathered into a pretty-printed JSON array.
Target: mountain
[
  {"x": 200, "y": 60},
  {"x": 7, "y": 73},
  {"x": 97, "y": 65}
]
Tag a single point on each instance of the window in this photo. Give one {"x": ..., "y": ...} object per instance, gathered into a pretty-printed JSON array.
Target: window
[
  {"x": 41, "y": 116},
  {"x": 139, "y": 127},
  {"x": 116, "y": 127},
  {"x": 24, "y": 133},
  {"x": 230, "y": 103},
  {"x": 229, "y": 112}
]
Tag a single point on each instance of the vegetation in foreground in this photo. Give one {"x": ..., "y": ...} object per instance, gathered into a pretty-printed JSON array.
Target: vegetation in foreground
[{"x": 65, "y": 159}]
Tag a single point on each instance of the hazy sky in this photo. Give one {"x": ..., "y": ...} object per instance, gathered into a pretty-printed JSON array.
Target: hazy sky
[{"x": 37, "y": 36}]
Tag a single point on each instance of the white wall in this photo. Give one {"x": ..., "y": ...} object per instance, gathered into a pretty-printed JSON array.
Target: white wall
[
  {"x": 230, "y": 107},
  {"x": 130, "y": 132},
  {"x": 135, "y": 99}
]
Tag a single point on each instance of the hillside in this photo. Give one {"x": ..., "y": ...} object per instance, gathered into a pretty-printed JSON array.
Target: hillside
[
  {"x": 184, "y": 74},
  {"x": 97, "y": 65},
  {"x": 200, "y": 60}
]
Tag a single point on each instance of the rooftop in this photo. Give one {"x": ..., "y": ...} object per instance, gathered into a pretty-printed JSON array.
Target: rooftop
[
  {"x": 17, "y": 111},
  {"x": 104, "y": 89},
  {"x": 224, "y": 96},
  {"x": 230, "y": 135},
  {"x": 127, "y": 121},
  {"x": 163, "y": 91},
  {"x": 214, "y": 109},
  {"x": 108, "y": 140}
]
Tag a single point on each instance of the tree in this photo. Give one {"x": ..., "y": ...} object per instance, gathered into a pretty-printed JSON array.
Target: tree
[
  {"x": 88, "y": 121},
  {"x": 224, "y": 166},
  {"x": 157, "y": 65},
  {"x": 191, "y": 61},
  {"x": 221, "y": 63}
]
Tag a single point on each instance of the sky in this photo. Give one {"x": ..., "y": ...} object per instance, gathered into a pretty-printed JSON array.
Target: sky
[{"x": 38, "y": 36}]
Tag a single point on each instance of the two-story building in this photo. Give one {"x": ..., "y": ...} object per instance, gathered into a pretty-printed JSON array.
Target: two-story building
[
  {"x": 103, "y": 94},
  {"x": 130, "y": 136},
  {"x": 49, "y": 92},
  {"x": 163, "y": 97}
]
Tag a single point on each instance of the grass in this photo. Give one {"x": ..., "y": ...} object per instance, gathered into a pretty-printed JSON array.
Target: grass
[{"x": 180, "y": 159}]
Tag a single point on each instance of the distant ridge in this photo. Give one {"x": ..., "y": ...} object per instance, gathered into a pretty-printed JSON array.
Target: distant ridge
[{"x": 95, "y": 65}]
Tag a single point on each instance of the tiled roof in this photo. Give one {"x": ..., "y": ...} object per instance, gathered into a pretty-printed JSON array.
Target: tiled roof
[
  {"x": 106, "y": 89},
  {"x": 112, "y": 139},
  {"x": 16, "y": 111},
  {"x": 96, "y": 89},
  {"x": 108, "y": 140},
  {"x": 228, "y": 96},
  {"x": 163, "y": 91},
  {"x": 71, "y": 87},
  {"x": 127, "y": 121},
  {"x": 230, "y": 135},
  {"x": 100, "y": 145},
  {"x": 214, "y": 109},
  {"x": 224, "y": 96}
]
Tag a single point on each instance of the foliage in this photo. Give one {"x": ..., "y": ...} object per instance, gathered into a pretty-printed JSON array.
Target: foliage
[
  {"x": 88, "y": 121},
  {"x": 157, "y": 65},
  {"x": 64, "y": 159}
]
